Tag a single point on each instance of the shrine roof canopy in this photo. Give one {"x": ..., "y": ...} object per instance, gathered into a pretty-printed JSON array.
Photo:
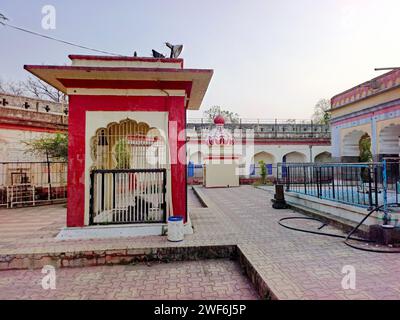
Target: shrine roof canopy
[{"x": 136, "y": 73}]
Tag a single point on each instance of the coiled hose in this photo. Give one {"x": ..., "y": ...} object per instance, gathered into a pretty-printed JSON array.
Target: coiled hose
[{"x": 347, "y": 237}]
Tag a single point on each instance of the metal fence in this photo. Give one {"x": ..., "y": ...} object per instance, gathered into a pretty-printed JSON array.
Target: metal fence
[
  {"x": 253, "y": 121},
  {"x": 292, "y": 132},
  {"x": 255, "y": 170},
  {"x": 196, "y": 170},
  {"x": 360, "y": 184},
  {"x": 32, "y": 183},
  {"x": 128, "y": 196}
]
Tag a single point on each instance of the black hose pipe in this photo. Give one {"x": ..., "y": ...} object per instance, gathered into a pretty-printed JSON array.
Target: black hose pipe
[{"x": 347, "y": 237}]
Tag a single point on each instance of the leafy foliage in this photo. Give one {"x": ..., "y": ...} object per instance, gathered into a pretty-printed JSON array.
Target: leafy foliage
[
  {"x": 322, "y": 114},
  {"x": 365, "y": 156},
  {"x": 365, "y": 148},
  {"x": 229, "y": 116},
  {"x": 52, "y": 147},
  {"x": 122, "y": 155},
  {"x": 263, "y": 171}
]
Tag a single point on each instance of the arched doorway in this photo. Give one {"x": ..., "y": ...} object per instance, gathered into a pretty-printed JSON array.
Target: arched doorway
[
  {"x": 389, "y": 141},
  {"x": 350, "y": 151},
  {"x": 269, "y": 160},
  {"x": 389, "y": 147},
  {"x": 196, "y": 158},
  {"x": 128, "y": 145},
  {"x": 128, "y": 174},
  {"x": 195, "y": 165},
  {"x": 323, "y": 157},
  {"x": 294, "y": 157}
]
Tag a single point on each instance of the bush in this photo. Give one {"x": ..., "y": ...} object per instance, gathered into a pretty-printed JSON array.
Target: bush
[{"x": 263, "y": 171}]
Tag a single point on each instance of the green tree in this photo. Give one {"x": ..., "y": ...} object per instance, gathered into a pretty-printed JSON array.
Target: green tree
[
  {"x": 122, "y": 155},
  {"x": 365, "y": 156},
  {"x": 365, "y": 148},
  {"x": 322, "y": 115},
  {"x": 229, "y": 116},
  {"x": 53, "y": 147},
  {"x": 263, "y": 171}
]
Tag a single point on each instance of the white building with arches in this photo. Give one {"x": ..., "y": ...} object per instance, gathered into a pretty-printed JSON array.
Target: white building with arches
[
  {"x": 371, "y": 109},
  {"x": 272, "y": 141}
]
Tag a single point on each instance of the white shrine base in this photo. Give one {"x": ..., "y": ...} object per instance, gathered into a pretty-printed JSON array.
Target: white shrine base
[
  {"x": 118, "y": 231},
  {"x": 111, "y": 231}
]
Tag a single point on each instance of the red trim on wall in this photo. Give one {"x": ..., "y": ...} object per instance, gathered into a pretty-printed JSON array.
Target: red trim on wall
[
  {"x": 29, "y": 128},
  {"x": 384, "y": 80},
  {"x": 116, "y": 69},
  {"x": 78, "y": 105},
  {"x": 128, "y": 84},
  {"x": 367, "y": 115}
]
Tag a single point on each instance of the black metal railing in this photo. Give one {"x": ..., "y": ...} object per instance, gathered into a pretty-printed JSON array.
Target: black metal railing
[
  {"x": 360, "y": 184},
  {"x": 32, "y": 183},
  {"x": 128, "y": 196}
]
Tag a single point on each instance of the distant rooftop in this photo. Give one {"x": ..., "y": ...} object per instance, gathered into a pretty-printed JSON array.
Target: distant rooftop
[
  {"x": 382, "y": 83},
  {"x": 26, "y": 103},
  {"x": 253, "y": 121}
]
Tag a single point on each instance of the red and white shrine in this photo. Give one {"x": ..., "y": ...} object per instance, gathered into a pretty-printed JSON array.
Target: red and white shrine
[
  {"x": 221, "y": 165},
  {"x": 127, "y": 140}
]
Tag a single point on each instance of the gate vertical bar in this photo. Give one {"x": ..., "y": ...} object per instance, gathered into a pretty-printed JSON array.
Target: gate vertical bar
[
  {"x": 91, "y": 199},
  {"x": 102, "y": 191},
  {"x": 164, "y": 190}
]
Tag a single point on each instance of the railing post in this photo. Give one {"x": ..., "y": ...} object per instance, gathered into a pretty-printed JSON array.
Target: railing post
[
  {"x": 287, "y": 178},
  {"x": 376, "y": 185},
  {"x": 369, "y": 187},
  {"x": 333, "y": 182},
  {"x": 305, "y": 179},
  {"x": 396, "y": 180},
  {"x": 318, "y": 181},
  {"x": 385, "y": 208},
  {"x": 48, "y": 175}
]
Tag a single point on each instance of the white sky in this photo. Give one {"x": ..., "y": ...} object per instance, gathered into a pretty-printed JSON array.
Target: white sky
[{"x": 271, "y": 59}]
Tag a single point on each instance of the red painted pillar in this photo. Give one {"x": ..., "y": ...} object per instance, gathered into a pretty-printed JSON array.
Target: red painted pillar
[
  {"x": 177, "y": 144},
  {"x": 76, "y": 165}
]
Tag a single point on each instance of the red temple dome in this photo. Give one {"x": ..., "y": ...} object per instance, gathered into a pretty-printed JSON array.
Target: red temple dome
[
  {"x": 220, "y": 136},
  {"x": 219, "y": 120}
]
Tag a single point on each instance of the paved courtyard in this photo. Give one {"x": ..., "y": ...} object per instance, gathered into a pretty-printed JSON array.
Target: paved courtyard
[
  {"x": 294, "y": 265},
  {"x": 22, "y": 226},
  {"x": 203, "y": 280}
]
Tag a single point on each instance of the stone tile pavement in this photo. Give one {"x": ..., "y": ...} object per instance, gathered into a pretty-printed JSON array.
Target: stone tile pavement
[
  {"x": 294, "y": 265},
  {"x": 203, "y": 280},
  {"x": 297, "y": 265},
  {"x": 23, "y": 225}
]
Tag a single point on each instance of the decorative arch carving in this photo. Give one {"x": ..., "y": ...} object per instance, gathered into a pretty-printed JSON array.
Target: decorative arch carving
[{"x": 111, "y": 147}]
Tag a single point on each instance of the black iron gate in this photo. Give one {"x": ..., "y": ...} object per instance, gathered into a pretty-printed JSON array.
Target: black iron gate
[{"x": 119, "y": 196}]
